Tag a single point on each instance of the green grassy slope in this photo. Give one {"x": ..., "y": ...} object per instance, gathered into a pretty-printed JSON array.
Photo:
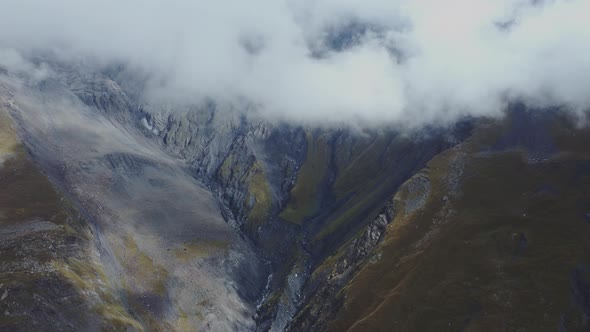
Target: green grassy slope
[
  {"x": 305, "y": 200},
  {"x": 347, "y": 178},
  {"x": 500, "y": 244}
]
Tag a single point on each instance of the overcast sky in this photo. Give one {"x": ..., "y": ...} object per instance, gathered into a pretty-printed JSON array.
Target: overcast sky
[{"x": 328, "y": 60}]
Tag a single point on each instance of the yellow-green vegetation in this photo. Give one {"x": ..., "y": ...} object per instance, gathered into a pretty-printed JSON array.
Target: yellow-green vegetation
[
  {"x": 256, "y": 183},
  {"x": 329, "y": 263},
  {"x": 200, "y": 249},
  {"x": 367, "y": 172},
  {"x": 43, "y": 220},
  {"x": 8, "y": 140},
  {"x": 183, "y": 323},
  {"x": 361, "y": 171},
  {"x": 26, "y": 193},
  {"x": 187, "y": 322},
  {"x": 259, "y": 190},
  {"x": 145, "y": 274},
  {"x": 88, "y": 276},
  {"x": 118, "y": 317},
  {"x": 497, "y": 255},
  {"x": 358, "y": 211},
  {"x": 303, "y": 201},
  {"x": 225, "y": 169},
  {"x": 83, "y": 275}
]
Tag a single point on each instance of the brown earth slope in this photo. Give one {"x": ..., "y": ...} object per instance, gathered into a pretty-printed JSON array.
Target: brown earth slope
[{"x": 490, "y": 236}]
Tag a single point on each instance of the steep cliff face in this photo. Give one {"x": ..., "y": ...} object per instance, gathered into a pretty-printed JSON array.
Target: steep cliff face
[{"x": 297, "y": 193}]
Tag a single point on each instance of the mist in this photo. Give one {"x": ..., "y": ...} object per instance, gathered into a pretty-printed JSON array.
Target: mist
[{"x": 414, "y": 62}]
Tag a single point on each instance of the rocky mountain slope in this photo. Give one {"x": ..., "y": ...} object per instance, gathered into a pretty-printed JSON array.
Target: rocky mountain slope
[
  {"x": 207, "y": 217},
  {"x": 489, "y": 236},
  {"x": 51, "y": 277},
  {"x": 171, "y": 260}
]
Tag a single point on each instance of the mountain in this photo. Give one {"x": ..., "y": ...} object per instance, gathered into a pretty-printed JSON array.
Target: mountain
[{"x": 119, "y": 212}]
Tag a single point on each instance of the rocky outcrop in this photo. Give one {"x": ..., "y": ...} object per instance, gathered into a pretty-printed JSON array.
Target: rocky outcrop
[
  {"x": 322, "y": 298},
  {"x": 339, "y": 179}
]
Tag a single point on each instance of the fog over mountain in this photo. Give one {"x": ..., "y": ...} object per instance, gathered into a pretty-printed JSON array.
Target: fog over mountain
[
  {"x": 294, "y": 165},
  {"x": 326, "y": 61}
]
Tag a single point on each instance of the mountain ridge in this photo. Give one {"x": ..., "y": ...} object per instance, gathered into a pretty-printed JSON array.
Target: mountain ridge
[{"x": 303, "y": 220}]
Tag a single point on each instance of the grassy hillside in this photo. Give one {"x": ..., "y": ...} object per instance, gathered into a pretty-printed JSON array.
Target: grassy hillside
[{"x": 500, "y": 244}]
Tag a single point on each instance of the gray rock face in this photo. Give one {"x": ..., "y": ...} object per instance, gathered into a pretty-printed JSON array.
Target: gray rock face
[
  {"x": 225, "y": 149},
  {"x": 321, "y": 296},
  {"x": 163, "y": 241}
]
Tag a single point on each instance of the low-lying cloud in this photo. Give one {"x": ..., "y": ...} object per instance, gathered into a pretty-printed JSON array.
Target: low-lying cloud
[{"x": 416, "y": 61}]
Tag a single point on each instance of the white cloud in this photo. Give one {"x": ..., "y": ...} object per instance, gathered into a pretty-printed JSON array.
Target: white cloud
[{"x": 457, "y": 56}]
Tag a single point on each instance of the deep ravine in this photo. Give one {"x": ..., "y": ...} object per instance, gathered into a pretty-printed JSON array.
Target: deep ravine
[{"x": 205, "y": 216}]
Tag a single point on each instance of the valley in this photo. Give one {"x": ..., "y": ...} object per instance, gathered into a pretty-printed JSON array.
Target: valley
[{"x": 204, "y": 217}]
